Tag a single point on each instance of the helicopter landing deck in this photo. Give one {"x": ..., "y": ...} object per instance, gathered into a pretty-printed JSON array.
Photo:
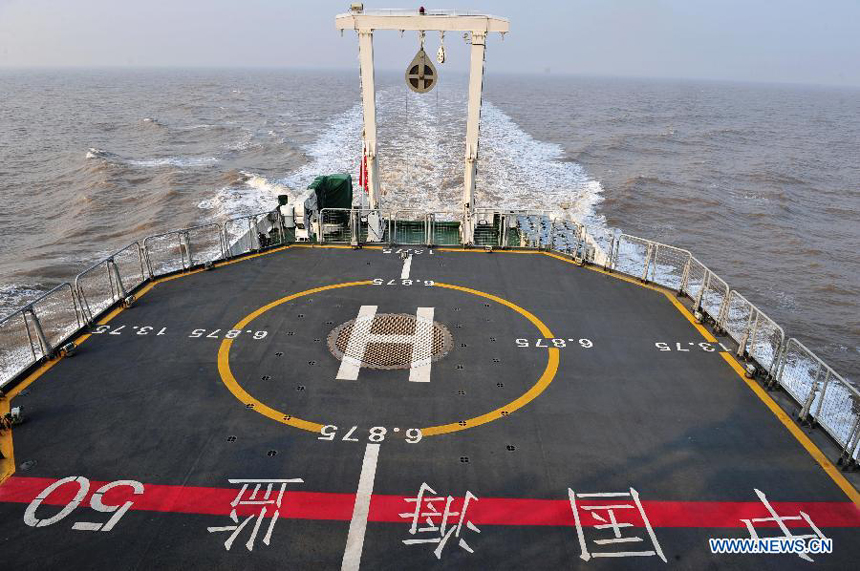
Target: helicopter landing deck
[{"x": 389, "y": 408}]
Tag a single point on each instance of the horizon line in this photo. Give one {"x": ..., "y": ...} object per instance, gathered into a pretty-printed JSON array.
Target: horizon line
[{"x": 543, "y": 73}]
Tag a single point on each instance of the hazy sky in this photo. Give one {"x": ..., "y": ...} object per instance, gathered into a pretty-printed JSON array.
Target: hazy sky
[{"x": 803, "y": 41}]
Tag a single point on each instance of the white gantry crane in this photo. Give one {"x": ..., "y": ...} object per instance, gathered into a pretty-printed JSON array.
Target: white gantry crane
[{"x": 477, "y": 26}]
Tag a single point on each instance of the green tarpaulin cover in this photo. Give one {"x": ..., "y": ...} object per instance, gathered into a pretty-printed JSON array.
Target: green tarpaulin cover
[{"x": 333, "y": 191}]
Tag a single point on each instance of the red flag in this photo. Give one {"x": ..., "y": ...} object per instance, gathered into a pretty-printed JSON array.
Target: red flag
[
  {"x": 365, "y": 174},
  {"x": 362, "y": 176},
  {"x": 361, "y": 166}
]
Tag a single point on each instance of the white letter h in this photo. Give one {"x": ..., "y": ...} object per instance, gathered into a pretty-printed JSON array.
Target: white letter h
[{"x": 421, "y": 341}]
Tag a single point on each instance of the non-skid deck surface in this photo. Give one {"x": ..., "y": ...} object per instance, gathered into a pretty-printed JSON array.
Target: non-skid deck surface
[{"x": 526, "y": 428}]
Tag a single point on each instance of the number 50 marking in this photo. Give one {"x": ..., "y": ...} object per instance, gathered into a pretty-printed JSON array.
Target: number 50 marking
[{"x": 95, "y": 502}]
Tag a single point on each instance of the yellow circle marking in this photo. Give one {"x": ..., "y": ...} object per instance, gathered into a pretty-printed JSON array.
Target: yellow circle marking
[{"x": 241, "y": 394}]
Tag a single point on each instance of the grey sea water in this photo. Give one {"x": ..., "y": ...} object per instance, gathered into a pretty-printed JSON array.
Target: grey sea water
[{"x": 761, "y": 182}]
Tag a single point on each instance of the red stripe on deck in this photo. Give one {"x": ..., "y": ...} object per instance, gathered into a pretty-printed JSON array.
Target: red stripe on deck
[{"x": 298, "y": 504}]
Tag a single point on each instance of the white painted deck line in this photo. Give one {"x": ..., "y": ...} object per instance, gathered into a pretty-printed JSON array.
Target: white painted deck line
[
  {"x": 349, "y": 366},
  {"x": 407, "y": 267},
  {"x": 358, "y": 523},
  {"x": 423, "y": 345}
]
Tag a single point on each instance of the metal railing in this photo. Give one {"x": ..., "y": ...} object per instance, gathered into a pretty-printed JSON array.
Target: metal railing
[
  {"x": 445, "y": 228},
  {"x": 669, "y": 265},
  {"x": 241, "y": 236},
  {"x": 354, "y": 226},
  {"x": 501, "y": 228},
  {"x": 403, "y": 227},
  {"x": 828, "y": 399},
  {"x": 165, "y": 253},
  {"x": 632, "y": 256},
  {"x": 708, "y": 291},
  {"x": 487, "y": 228},
  {"x": 824, "y": 397},
  {"x": 659, "y": 263},
  {"x": 569, "y": 237},
  {"x": 337, "y": 226},
  {"x": 374, "y": 226},
  {"x": 109, "y": 281},
  {"x": 757, "y": 335},
  {"x": 600, "y": 245},
  {"x": 535, "y": 229},
  {"x": 204, "y": 244},
  {"x": 57, "y": 315},
  {"x": 184, "y": 249},
  {"x": 253, "y": 232},
  {"x": 411, "y": 228},
  {"x": 36, "y": 331},
  {"x": 130, "y": 267},
  {"x": 490, "y": 227}
]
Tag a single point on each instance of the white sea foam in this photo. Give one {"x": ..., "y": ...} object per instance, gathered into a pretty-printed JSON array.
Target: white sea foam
[
  {"x": 173, "y": 162},
  {"x": 14, "y": 296},
  {"x": 519, "y": 171},
  {"x": 94, "y": 153},
  {"x": 255, "y": 194},
  {"x": 337, "y": 150},
  {"x": 265, "y": 185},
  {"x": 232, "y": 201},
  {"x": 329, "y": 154},
  {"x": 246, "y": 141}
]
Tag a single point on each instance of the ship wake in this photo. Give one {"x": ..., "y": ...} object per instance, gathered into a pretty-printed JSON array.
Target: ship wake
[{"x": 421, "y": 141}]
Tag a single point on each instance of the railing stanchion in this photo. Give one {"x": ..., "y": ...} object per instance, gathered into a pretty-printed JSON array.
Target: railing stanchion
[
  {"x": 824, "y": 385},
  {"x": 29, "y": 337},
  {"x": 804, "y": 412},
  {"x": 852, "y": 444},
  {"x": 121, "y": 291},
  {"x": 47, "y": 350}
]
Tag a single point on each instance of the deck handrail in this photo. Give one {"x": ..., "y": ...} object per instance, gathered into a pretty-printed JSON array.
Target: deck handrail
[
  {"x": 42, "y": 326},
  {"x": 115, "y": 283},
  {"x": 825, "y": 398},
  {"x": 36, "y": 331}
]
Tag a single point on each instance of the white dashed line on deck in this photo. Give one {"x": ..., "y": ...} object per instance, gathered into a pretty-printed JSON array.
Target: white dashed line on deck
[{"x": 407, "y": 267}]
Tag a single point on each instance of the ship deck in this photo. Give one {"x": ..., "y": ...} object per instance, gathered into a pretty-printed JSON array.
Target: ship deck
[{"x": 564, "y": 436}]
